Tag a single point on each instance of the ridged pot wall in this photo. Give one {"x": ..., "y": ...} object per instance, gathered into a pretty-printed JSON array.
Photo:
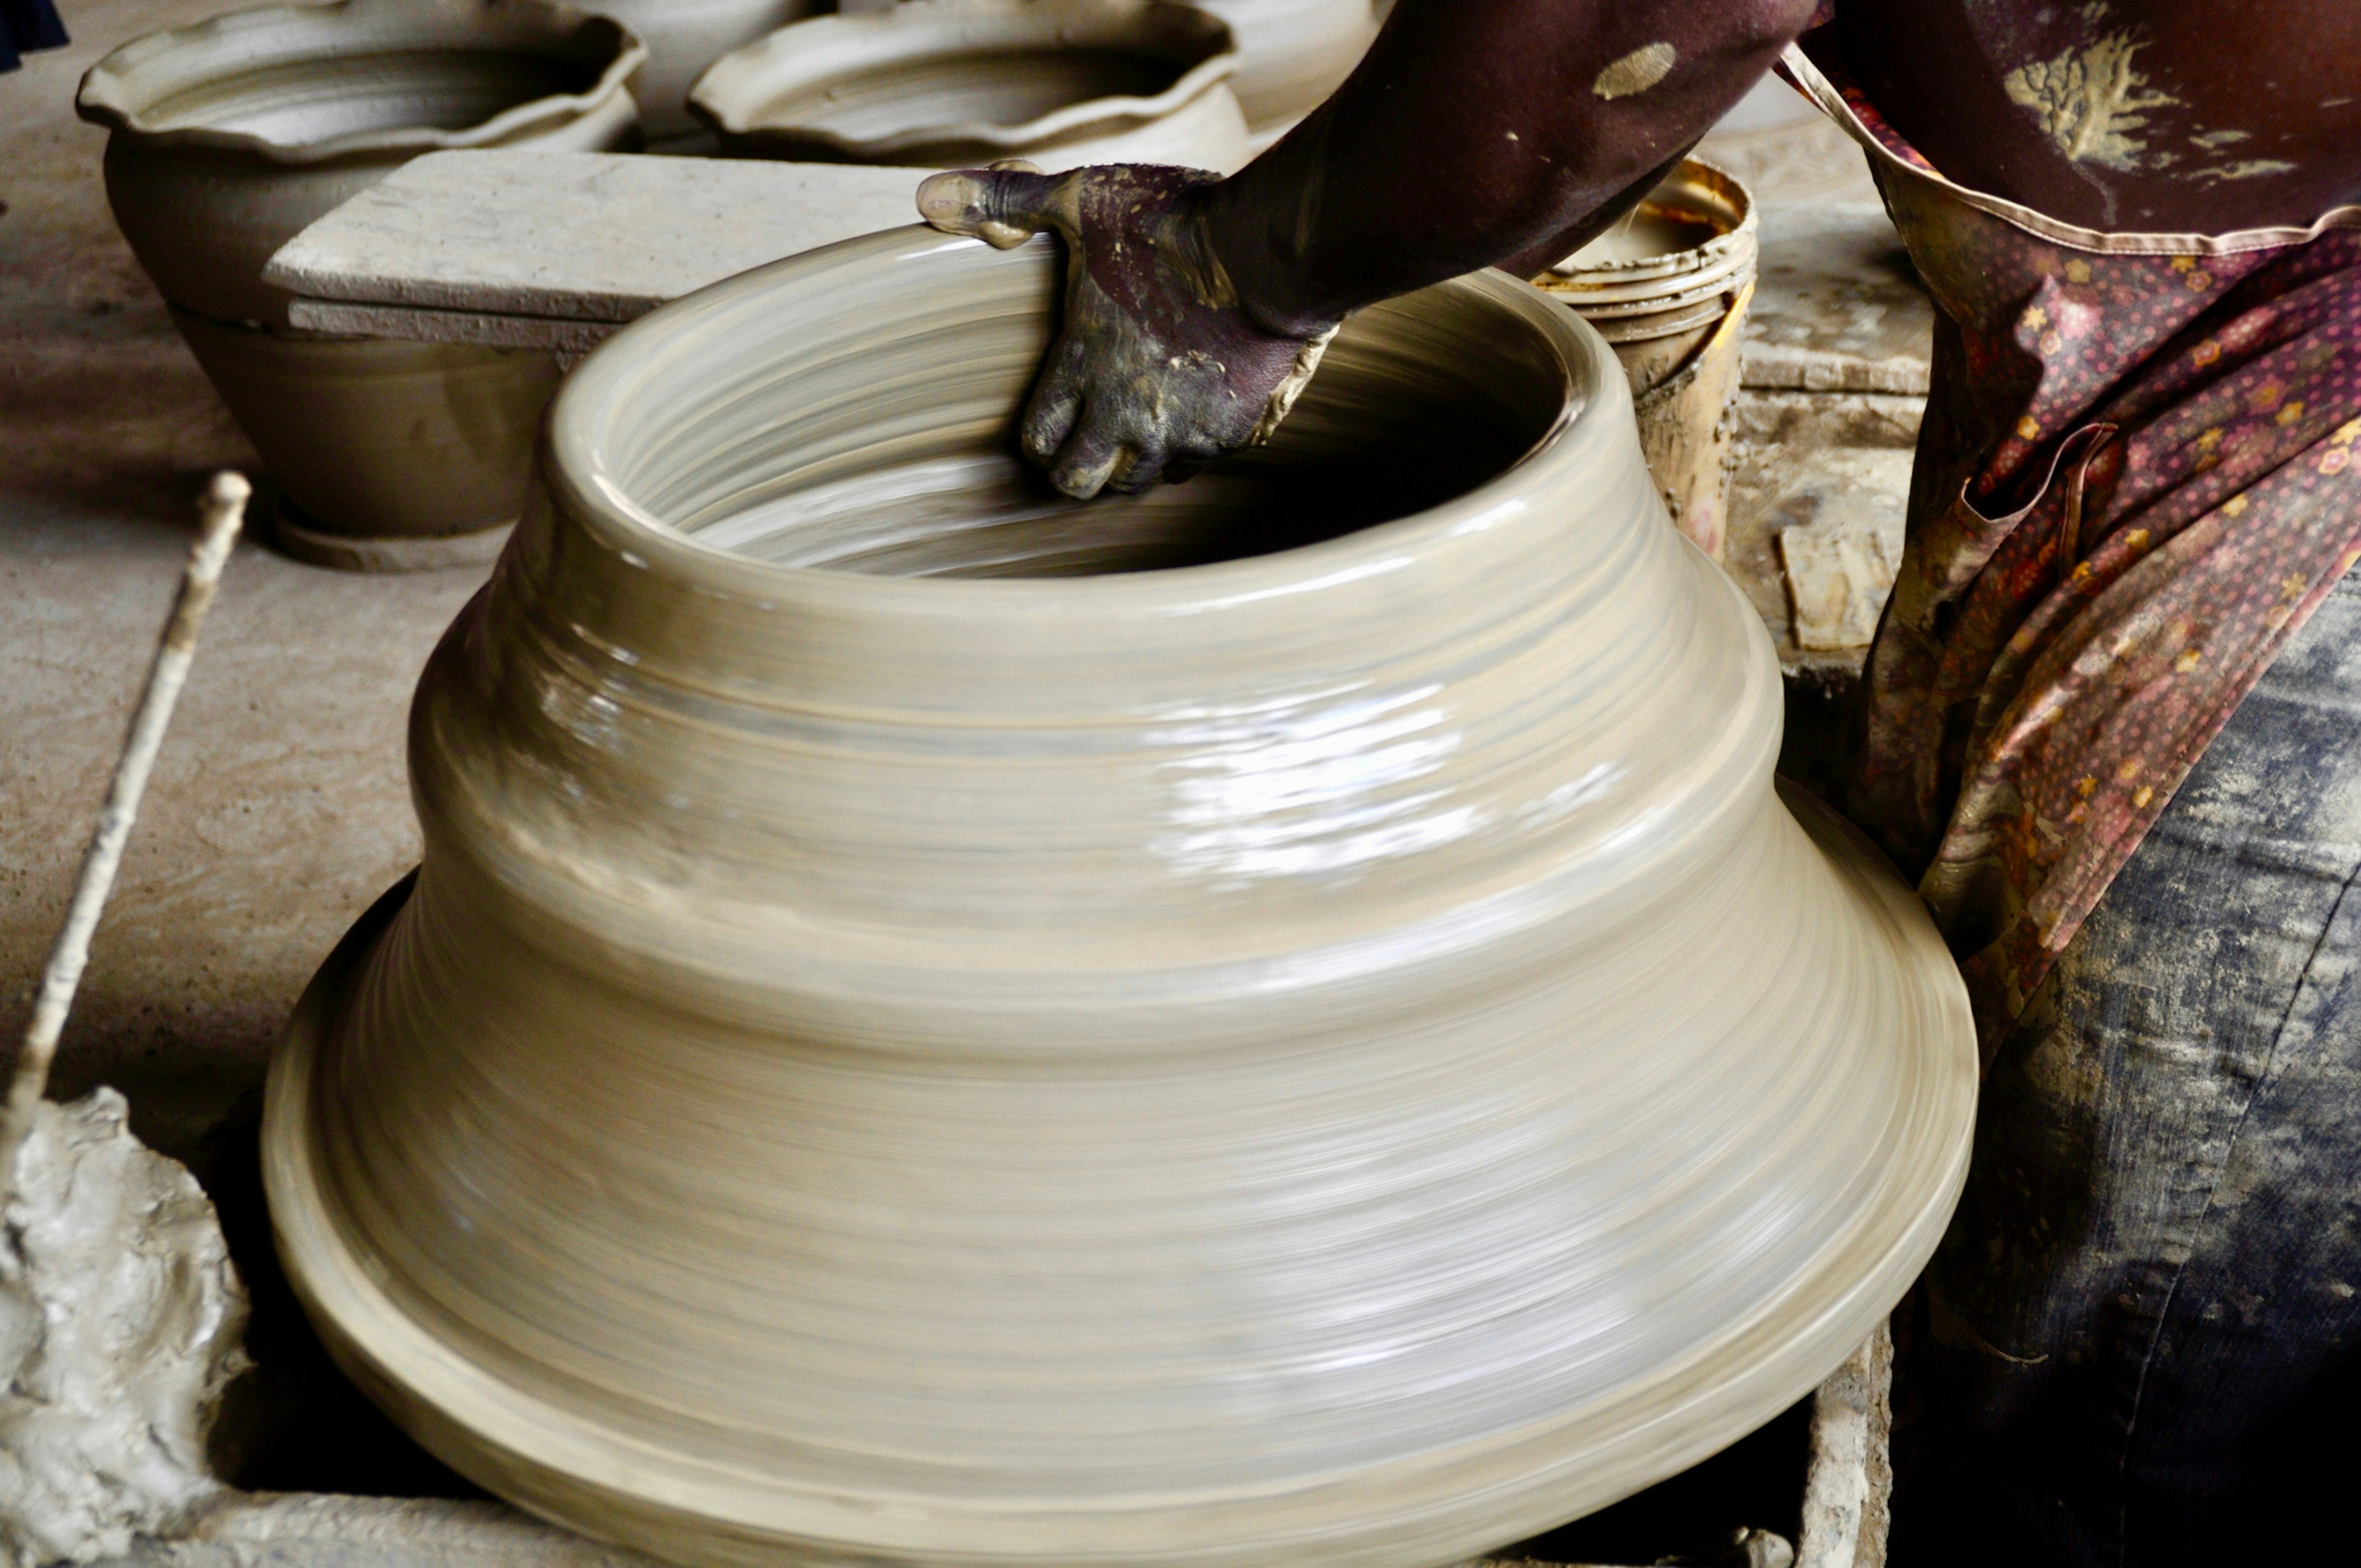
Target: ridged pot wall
[{"x": 1279, "y": 1020}]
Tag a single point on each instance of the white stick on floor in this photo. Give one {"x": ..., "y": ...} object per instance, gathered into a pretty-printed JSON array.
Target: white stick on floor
[{"x": 220, "y": 514}]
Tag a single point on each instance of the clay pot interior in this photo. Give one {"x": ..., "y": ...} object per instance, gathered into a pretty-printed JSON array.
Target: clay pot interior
[
  {"x": 303, "y": 100},
  {"x": 1003, "y": 89},
  {"x": 970, "y": 81},
  {"x": 1400, "y": 419}
]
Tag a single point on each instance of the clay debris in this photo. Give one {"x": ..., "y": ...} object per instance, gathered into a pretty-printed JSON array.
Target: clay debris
[{"x": 120, "y": 1325}]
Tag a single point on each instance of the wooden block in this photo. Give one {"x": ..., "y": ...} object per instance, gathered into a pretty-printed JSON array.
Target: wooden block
[
  {"x": 1844, "y": 546},
  {"x": 584, "y": 236}
]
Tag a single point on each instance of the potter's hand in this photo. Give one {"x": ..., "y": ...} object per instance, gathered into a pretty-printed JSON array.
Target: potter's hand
[{"x": 1159, "y": 366}]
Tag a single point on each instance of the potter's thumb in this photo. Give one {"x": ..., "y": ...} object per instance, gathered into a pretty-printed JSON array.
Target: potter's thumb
[{"x": 1004, "y": 207}]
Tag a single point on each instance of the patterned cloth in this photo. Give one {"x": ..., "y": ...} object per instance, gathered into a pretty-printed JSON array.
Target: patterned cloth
[
  {"x": 26, "y": 26},
  {"x": 2140, "y": 1341},
  {"x": 2138, "y": 477}
]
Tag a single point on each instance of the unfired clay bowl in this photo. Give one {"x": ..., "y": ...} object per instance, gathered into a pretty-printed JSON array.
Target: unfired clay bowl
[
  {"x": 953, "y": 84},
  {"x": 232, "y": 136},
  {"x": 380, "y": 440},
  {"x": 1279, "y": 1021}
]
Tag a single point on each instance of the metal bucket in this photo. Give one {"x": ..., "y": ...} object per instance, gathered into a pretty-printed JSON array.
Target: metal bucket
[{"x": 1668, "y": 288}]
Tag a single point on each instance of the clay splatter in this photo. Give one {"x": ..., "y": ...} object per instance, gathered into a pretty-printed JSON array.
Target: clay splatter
[
  {"x": 1636, "y": 71},
  {"x": 2092, "y": 101},
  {"x": 2247, "y": 169}
]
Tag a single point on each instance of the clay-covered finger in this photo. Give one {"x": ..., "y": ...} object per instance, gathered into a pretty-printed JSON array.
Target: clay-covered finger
[
  {"x": 1057, "y": 400},
  {"x": 1136, "y": 469},
  {"x": 1003, "y": 207},
  {"x": 1089, "y": 460},
  {"x": 1049, "y": 417}
]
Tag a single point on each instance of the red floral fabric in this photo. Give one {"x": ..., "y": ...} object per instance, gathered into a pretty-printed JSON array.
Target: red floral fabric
[{"x": 2138, "y": 477}]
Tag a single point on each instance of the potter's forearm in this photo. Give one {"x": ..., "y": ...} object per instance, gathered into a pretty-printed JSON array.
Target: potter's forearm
[{"x": 1479, "y": 131}]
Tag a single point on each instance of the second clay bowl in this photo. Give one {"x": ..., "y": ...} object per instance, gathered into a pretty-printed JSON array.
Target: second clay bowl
[
  {"x": 1281, "y": 1019},
  {"x": 956, "y": 83}
]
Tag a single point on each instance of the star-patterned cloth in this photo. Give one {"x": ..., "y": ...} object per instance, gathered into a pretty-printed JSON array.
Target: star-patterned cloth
[{"x": 2140, "y": 472}]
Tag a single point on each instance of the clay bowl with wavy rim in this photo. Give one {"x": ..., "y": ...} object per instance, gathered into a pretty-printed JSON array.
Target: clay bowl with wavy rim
[
  {"x": 957, "y": 83},
  {"x": 1279, "y": 1020},
  {"x": 230, "y": 137}
]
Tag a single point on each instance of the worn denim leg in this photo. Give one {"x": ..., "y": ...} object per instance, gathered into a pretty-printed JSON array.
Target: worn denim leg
[{"x": 2155, "y": 1261}]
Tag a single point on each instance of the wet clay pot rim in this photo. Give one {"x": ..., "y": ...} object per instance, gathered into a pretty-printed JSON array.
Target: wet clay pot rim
[
  {"x": 578, "y": 470},
  {"x": 806, "y": 55},
  {"x": 122, "y": 91}
]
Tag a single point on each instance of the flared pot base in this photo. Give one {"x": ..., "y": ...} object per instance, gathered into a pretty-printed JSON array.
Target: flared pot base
[{"x": 1420, "y": 1509}]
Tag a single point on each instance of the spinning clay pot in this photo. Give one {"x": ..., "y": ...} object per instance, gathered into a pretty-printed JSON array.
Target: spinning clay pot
[
  {"x": 954, "y": 84},
  {"x": 1278, "y": 1020},
  {"x": 230, "y": 137}
]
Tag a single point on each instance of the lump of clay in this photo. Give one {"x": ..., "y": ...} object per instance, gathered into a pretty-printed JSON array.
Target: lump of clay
[{"x": 120, "y": 1322}]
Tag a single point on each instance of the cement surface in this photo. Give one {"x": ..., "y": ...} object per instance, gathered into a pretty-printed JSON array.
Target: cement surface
[
  {"x": 279, "y": 807},
  {"x": 576, "y": 235}
]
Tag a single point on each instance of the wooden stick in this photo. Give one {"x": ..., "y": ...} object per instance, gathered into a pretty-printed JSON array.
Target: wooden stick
[{"x": 220, "y": 513}]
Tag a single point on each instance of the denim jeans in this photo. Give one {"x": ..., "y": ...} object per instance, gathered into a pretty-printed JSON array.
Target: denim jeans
[{"x": 2136, "y": 1345}]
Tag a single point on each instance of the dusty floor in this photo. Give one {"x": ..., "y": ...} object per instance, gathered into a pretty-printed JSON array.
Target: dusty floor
[{"x": 278, "y": 808}]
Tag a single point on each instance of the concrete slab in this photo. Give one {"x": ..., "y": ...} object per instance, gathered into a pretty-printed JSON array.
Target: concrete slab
[
  {"x": 1838, "y": 308},
  {"x": 536, "y": 243}
]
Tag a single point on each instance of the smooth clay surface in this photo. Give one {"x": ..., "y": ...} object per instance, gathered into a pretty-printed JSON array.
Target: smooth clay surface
[
  {"x": 1280, "y": 1021},
  {"x": 957, "y": 83}
]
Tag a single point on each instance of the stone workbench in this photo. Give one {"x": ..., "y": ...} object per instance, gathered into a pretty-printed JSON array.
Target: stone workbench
[{"x": 530, "y": 249}]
